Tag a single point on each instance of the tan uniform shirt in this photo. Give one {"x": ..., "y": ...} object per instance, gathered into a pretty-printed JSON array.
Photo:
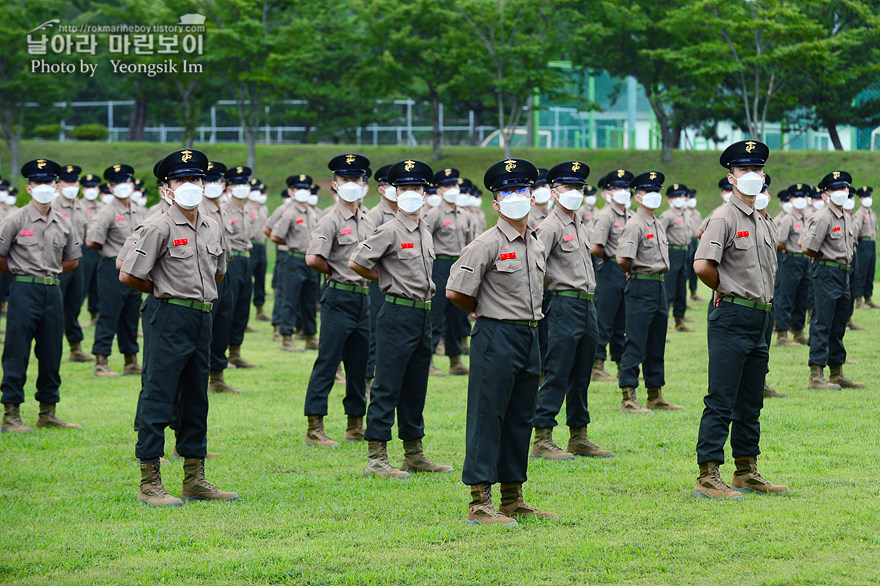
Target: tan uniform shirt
[
  {"x": 112, "y": 225},
  {"x": 449, "y": 229},
  {"x": 739, "y": 240},
  {"x": 336, "y": 237},
  {"x": 90, "y": 207},
  {"x": 866, "y": 220},
  {"x": 694, "y": 219},
  {"x": 258, "y": 214},
  {"x": 403, "y": 253},
  {"x": 381, "y": 213},
  {"x": 181, "y": 260},
  {"x": 479, "y": 221},
  {"x": 159, "y": 208},
  {"x": 790, "y": 230},
  {"x": 675, "y": 224},
  {"x": 608, "y": 226},
  {"x": 536, "y": 216},
  {"x": 75, "y": 212},
  {"x": 644, "y": 242},
  {"x": 828, "y": 233},
  {"x": 275, "y": 217},
  {"x": 504, "y": 272},
  {"x": 295, "y": 226},
  {"x": 567, "y": 244},
  {"x": 238, "y": 226},
  {"x": 588, "y": 213},
  {"x": 35, "y": 246}
]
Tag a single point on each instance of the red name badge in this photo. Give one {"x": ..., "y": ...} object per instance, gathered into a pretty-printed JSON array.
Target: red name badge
[
  {"x": 649, "y": 235},
  {"x": 181, "y": 242},
  {"x": 678, "y": 221},
  {"x": 507, "y": 255},
  {"x": 617, "y": 224},
  {"x": 300, "y": 221},
  {"x": 345, "y": 231},
  {"x": 27, "y": 233},
  {"x": 588, "y": 214},
  {"x": 64, "y": 214},
  {"x": 447, "y": 223},
  {"x": 234, "y": 220},
  {"x": 835, "y": 229},
  {"x": 253, "y": 214},
  {"x": 406, "y": 244},
  {"x": 90, "y": 211},
  {"x": 567, "y": 238},
  {"x": 120, "y": 218},
  {"x": 743, "y": 234},
  {"x": 797, "y": 225}
]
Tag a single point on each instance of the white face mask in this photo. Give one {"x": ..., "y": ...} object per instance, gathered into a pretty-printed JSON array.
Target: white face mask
[
  {"x": 262, "y": 199},
  {"x": 571, "y": 200},
  {"x": 750, "y": 184},
  {"x": 622, "y": 197},
  {"x": 44, "y": 193},
  {"x": 726, "y": 196},
  {"x": 542, "y": 195},
  {"x": 652, "y": 200},
  {"x": 849, "y": 204},
  {"x": 313, "y": 200},
  {"x": 254, "y": 195},
  {"x": 450, "y": 195},
  {"x": 462, "y": 200},
  {"x": 213, "y": 190},
  {"x": 410, "y": 201},
  {"x": 516, "y": 207},
  {"x": 188, "y": 196},
  {"x": 106, "y": 198},
  {"x": 350, "y": 192},
  {"x": 70, "y": 191},
  {"x": 818, "y": 204},
  {"x": 839, "y": 197},
  {"x": 390, "y": 193},
  {"x": 240, "y": 191},
  {"x": 91, "y": 193},
  {"x": 678, "y": 203},
  {"x": 475, "y": 201},
  {"x": 799, "y": 203},
  {"x": 123, "y": 190},
  {"x": 434, "y": 200},
  {"x": 867, "y": 202},
  {"x": 301, "y": 195},
  {"x": 590, "y": 200},
  {"x": 762, "y": 200},
  {"x": 787, "y": 207},
  {"x": 364, "y": 191},
  {"x": 10, "y": 200},
  {"x": 692, "y": 202}
]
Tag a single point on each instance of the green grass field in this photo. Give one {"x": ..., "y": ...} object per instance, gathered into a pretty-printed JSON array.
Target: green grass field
[{"x": 307, "y": 516}]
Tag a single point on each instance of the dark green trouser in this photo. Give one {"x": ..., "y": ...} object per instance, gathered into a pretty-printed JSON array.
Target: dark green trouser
[
  {"x": 610, "y": 309},
  {"x": 691, "y": 275},
  {"x": 543, "y": 325},
  {"x": 239, "y": 292},
  {"x": 33, "y": 314},
  {"x": 867, "y": 259},
  {"x": 221, "y": 315},
  {"x": 298, "y": 284},
  {"x": 738, "y": 357},
  {"x": 88, "y": 264},
  {"x": 345, "y": 335},
  {"x": 793, "y": 283},
  {"x": 830, "y": 312},
  {"x": 572, "y": 333},
  {"x": 377, "y": 301},
  {"x": 119, "y": 306},
  {"x": 72, "y": 293},
  {"x": 646, "y": 317},
  {"x": 281, "y": 258},
  {"x": 505, "y": 368},
  {"x": 445, "y": 317},
  {"x": 676, "y": 282},
  {"x": 174, "y": 382},
  {"x": 257, "y": 270},
  {"x": 403, "y": 356}
]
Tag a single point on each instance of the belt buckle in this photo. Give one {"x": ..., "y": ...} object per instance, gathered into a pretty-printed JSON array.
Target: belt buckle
[
  {"x": 427, "y": 305},
  {"x": 48, "y": 281},
  {"x": 206, "y": 307}
]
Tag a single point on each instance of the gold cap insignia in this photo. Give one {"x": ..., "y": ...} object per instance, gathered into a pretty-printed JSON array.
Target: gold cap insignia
[
  {"x": 349, "y": 159},
  {"x": 41, "y": 163},
  {"x": 210, "y": 166},
  {"x": 185, "y": 156},
  {"x": 750, "y": 146},
  {"x": 509, "y": 165},
  {"x": 836, "y": 174},
  {"x": 408, "y": 165},
  {"x": 460, "y": 181},
  {"x": 575, "y": 166},
  {"x": 447, "y": 172},
  {"x": 621, "y": 172},
  {"x": 239, "y": 170},
  {"x": 652, "y": 175},
  {"x": 117, "y": 168},
  {"x": 262, "y": 186},
  {"x": 800, "y": 186},
  {"x": 70, "y": 168},
  {"x": 302, "y": 177},
  {"x": 675, "y": 186}
]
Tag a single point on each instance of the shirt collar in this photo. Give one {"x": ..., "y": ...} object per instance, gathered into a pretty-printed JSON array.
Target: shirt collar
[
  {"x": 741, "y": 205},
  {"x": 564, "y": 217},
  {"x": 509, "y": 231},
  {"x": 407, "y": 222},
  {"x": 34, "y": 214},
  {"x": 838, "y": 213}
]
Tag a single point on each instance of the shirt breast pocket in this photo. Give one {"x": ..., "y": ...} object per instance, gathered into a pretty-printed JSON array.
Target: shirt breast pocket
[
  {"x": 743, "y": 243},
  {"x": 32, "y": 240},
  {"x": 569, "y": 245},
  {"x": 346, "y": 239},
  {"x": 408, "y": 254},
  {"x": 835, "y": 234},
  {"x": 179, "y": 265}
]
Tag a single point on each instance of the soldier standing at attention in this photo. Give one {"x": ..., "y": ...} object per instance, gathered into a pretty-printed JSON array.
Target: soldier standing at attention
[
  {"x": 37, "y": 245},
  {"x": 827, "y": 241},
  {"x": 345, "y": 323},
  {"x": 449, "y": 229},
  {"x": 259, "y": 213},
  {"x": 572, "y": 328},
  {"x": 866, "y": 223},
  {"x": 500, "y": 277},
  {"x": 399, "y": 255},
  {"x": 72, "y": 281},
  {"x": 177, "y": 260},
  {"x": 643, "y": 255},
  {"x": 238, "y": 233},
  {"x": 790, "y": 302},
  {"x": 292, "y": 231},
  {"x": 541, "y": 193},
  {"x": 677, "y": 229},
  {"x": 88, "y": 264},
  {"x": 694, "y": 219},
  {"x": 610, "y": 301},
  {"x": 118, "y": 312},
  {"x": 736, "y": 259},
  {"x": 589, "y": 210}
]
